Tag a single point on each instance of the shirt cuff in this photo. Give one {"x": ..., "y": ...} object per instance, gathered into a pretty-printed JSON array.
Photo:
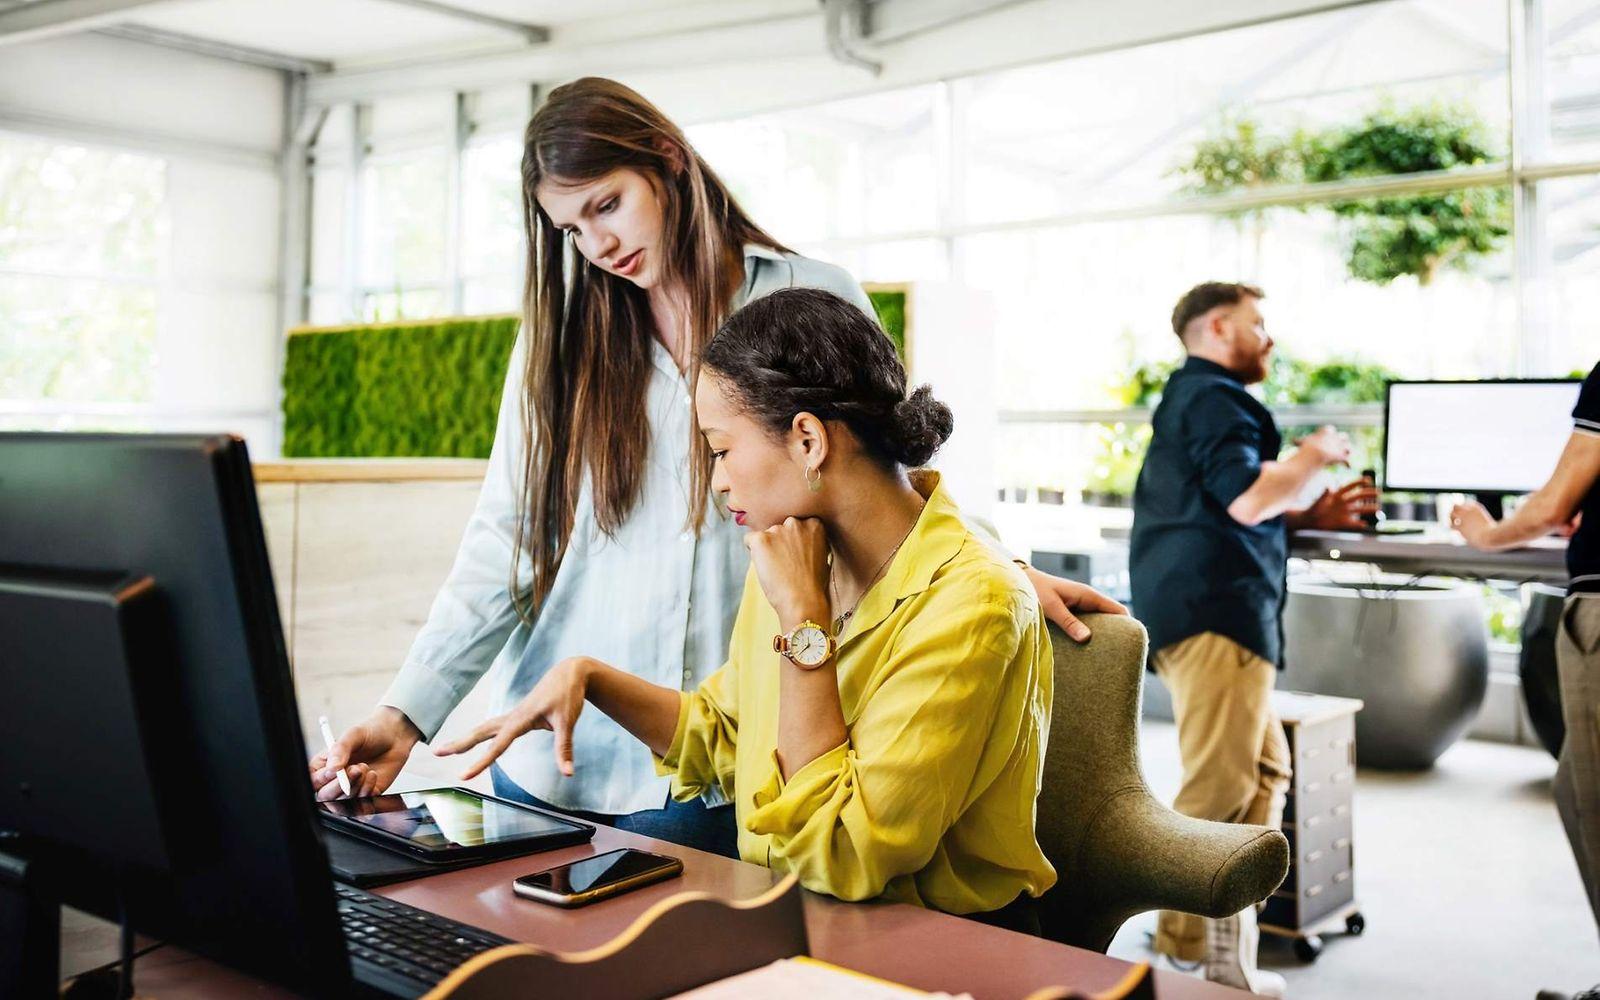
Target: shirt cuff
[
  {"x": 423, "y": 695},
  {"x": 782, "y": 808},
  {"x": 667, "y": 763}
]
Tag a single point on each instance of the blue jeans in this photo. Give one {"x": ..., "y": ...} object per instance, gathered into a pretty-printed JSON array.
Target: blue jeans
[{"x": 690, "y": 824}]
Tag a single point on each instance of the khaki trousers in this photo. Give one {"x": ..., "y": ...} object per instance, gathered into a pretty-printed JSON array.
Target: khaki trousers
[
  {"x": 1577, "y": 785},
  {"x": 1235, "y": 756}
]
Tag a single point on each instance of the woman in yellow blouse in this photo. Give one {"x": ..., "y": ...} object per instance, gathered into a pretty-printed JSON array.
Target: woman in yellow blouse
[{"x": 881, "y": 719}]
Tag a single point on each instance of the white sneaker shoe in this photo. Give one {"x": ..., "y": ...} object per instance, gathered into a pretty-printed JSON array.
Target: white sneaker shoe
[{"x": 1231, "y": 945}]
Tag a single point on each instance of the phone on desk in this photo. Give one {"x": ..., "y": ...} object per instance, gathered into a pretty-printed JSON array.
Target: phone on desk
[{"x": 579, "y": 883}]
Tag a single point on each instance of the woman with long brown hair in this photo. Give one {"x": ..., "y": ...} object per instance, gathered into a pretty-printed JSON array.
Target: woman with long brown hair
[{"x": 595, "y": 533}]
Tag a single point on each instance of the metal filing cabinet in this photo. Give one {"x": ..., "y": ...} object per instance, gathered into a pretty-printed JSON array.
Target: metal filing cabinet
[{"x": 1319, "y": 894}]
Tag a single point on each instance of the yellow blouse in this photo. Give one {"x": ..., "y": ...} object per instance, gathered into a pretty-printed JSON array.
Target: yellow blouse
[{"x": 945, "y": 676}]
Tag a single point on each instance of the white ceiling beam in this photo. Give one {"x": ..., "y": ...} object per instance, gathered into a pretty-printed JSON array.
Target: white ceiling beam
[
  {"x": 210, "y": 47},
  {"x": 71, "y": 129},
  {"x": 532, "y": 33},
  {"x": 891, "y": 20},
  {"x": 26, "y": 22},
  {"x": 758, "y": 37}
]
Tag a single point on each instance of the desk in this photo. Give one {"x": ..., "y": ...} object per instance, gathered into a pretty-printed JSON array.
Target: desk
[
  {"x": 901, "y": 943},
  {"x": 1436, "y": 552}
]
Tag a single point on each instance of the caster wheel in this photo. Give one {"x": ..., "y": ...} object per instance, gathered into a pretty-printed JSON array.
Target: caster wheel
[
  {"x": 1355, "y": 923},
  {"x": 1307, "y": 949}
]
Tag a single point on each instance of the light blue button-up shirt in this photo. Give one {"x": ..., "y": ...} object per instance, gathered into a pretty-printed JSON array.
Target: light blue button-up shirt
[{"x": 652, "y": 599}]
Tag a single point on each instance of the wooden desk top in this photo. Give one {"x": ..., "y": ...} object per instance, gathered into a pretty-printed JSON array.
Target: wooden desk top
[{"x": 905, "y": 944}]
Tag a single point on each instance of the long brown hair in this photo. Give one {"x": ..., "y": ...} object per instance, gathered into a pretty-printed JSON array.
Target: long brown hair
[{"x": 588, "y": 331}]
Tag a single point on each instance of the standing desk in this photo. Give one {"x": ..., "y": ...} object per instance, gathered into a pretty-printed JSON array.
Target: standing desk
[
  {"x": 1436, "y": 552},
  {"x": 894, "y": 941}
]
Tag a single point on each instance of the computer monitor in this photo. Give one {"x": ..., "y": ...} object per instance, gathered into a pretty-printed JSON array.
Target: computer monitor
[
  {"x": 152, "y": 763},
  {"x": 1491, "y": 437}
]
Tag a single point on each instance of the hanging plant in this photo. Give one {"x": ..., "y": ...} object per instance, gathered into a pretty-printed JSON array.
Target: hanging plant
[
  {"x": 1240, "y": 155},
  {"x": 1384, "y": 238},
  {"x": 1417, "y": 235}
]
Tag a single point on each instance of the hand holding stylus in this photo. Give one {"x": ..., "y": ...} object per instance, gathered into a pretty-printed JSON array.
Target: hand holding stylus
[{"x": 372, "y": 752}]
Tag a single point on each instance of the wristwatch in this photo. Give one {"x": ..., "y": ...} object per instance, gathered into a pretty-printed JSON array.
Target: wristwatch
[{"x": 808, "y": 646}]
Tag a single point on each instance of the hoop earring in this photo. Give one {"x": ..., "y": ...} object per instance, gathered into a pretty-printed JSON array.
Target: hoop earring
[{"x": 814, "y": 485}]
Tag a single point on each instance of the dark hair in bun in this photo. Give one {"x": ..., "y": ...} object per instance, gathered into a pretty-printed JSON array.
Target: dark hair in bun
[{"x": 804, "y": 350}]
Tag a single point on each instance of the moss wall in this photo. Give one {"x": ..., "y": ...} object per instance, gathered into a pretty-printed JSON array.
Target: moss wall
[
  {"x": 419, "y": 389},
  {"x": 403, "y": 389}
]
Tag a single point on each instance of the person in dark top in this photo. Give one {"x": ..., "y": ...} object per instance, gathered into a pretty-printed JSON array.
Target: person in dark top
[
  {"x": 1573, "y": 492},
  {"x": 1208, "y": 562}
]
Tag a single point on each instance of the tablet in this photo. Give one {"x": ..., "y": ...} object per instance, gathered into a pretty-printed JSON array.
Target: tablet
[{"x": 453, "y": 824}]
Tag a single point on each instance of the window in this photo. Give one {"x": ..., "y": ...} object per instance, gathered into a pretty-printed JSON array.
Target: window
[
  {"x": 1566, "y": 290},
  {"x": 1110, "y": 129},
  {"x": 82, "y": 250},
  {"x": 492, "y": 241},
  {"x": 1075, "y": 197},
  {"x": 1571, "y": 77},
  {"x": 404, "y": 235},
  {"x": 848, "y": 168}
]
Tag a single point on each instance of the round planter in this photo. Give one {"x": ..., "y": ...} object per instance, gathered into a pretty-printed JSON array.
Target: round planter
[
  {"x": 1541, "y": 688},
  {"x": 1416, "y": 653}
]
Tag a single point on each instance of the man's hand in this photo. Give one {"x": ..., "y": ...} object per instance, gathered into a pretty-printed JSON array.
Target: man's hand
[
  {"x": 1341, "y": 509},
  {"x": 1058, "y": 598},
  {"x": 1328, "y": 444},
  {"x": 1474, "y": 522},
  {"x": 372, "y": 752}
]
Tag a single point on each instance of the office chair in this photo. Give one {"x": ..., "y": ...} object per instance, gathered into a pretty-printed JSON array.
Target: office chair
[{"x": 1116, "y": 849}]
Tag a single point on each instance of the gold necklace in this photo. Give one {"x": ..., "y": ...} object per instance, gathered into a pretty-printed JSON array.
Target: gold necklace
[{"x": 833, "y": 584}]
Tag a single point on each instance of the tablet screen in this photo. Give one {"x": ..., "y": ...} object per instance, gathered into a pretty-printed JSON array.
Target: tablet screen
[{"x": 446, "y": 818}]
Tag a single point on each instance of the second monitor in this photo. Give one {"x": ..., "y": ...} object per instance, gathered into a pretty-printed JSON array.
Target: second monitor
[{"x": 1490, "y": 437}]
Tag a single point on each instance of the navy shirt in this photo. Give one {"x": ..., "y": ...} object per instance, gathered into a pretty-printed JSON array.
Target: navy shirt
[
  {"x": 1193, "y": 568},
  {"x": 1583, "y": 551}
]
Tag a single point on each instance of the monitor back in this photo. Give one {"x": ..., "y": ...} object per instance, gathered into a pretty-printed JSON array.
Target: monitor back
[{"x": 247, "y": 880}]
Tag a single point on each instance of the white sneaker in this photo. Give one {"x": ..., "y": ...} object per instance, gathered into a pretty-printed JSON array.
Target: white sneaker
[{"x": 1231, "y": 945}]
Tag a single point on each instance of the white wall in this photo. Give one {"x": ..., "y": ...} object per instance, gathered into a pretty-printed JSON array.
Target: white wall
[
  {"x": 154, "y": 95},
  {"x": 218, "y": 125}
]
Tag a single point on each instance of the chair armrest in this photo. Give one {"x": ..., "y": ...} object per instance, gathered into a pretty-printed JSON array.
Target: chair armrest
[
  {"x": 1144, "y": 855},
  {"x": 1137, "y": 855}
]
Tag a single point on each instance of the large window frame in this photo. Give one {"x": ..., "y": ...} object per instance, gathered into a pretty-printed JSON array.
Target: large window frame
[{"x": 1528, "y": 164}]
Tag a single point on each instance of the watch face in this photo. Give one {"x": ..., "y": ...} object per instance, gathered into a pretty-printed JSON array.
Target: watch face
[{"x": 808, "y": 646}]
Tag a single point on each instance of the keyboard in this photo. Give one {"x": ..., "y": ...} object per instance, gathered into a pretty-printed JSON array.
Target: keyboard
[{"x": 408, "y": 949}]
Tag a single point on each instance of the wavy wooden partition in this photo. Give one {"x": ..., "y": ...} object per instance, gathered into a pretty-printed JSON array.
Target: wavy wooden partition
[{"x": 685, "y": 941}]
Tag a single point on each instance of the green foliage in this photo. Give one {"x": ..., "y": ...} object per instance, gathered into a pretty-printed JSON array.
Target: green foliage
[
  {"x": 415, "y": 389},
  {"x": 1120, "y": 448},
  {"x": 1119, "y": 453},
  {"x": 1416, "y": 235},
  {"x": 891, "y": 309},
  {"x": 1505, "y": 615},
  {"x": 1143, "y": 384},
  {"x": 1239, "y": 155},
  {"x": 1385, "y": 238},
  {"x": 1291, "y": 381},
  {"x": 420, "y": 389}
]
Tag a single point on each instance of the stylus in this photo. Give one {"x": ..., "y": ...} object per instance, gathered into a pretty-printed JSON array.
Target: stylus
[{"x": 327, "y": 737}]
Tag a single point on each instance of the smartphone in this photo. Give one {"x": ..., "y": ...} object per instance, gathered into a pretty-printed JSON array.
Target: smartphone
[
  {"x": 580, "y": 883},
  {"x": 1371, "y": 518}
]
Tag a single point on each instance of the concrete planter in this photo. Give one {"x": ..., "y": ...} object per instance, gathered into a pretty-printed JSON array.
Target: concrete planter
[{"x": 1416, "y": 652}]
